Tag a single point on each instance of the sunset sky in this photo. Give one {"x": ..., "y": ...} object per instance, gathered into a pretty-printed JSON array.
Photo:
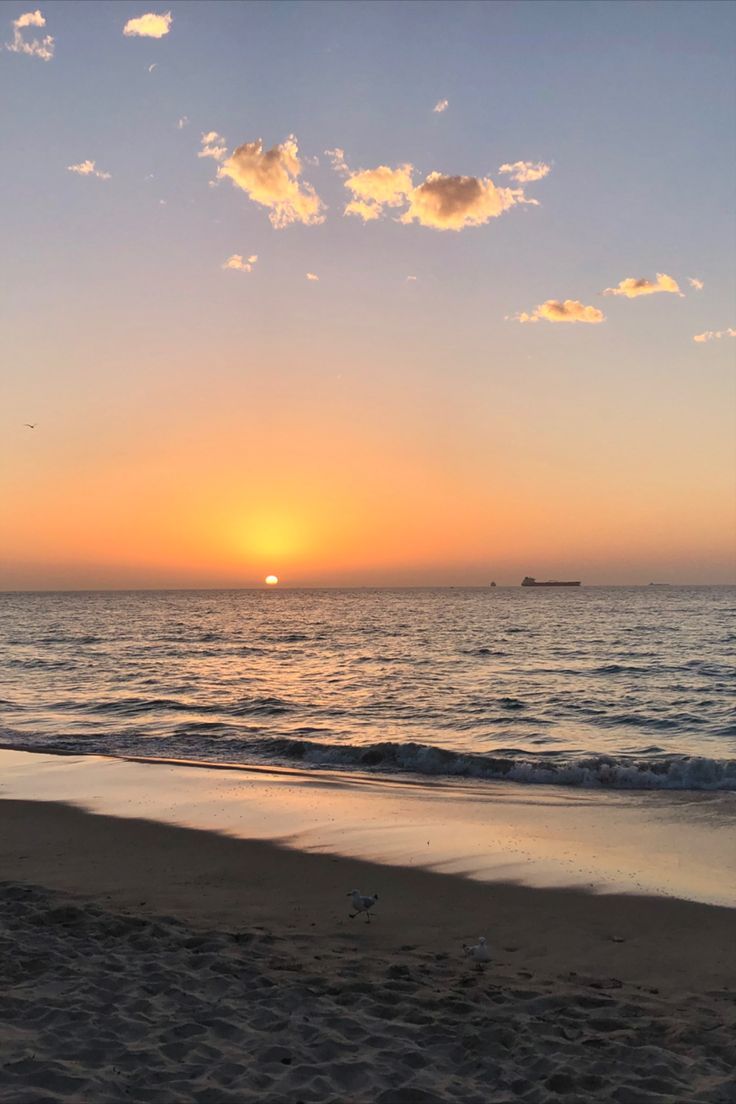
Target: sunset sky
[{"x": 366, "y": 293}]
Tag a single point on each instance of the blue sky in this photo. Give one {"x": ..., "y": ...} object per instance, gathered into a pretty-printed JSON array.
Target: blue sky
[{"x": 115, "y": 304}]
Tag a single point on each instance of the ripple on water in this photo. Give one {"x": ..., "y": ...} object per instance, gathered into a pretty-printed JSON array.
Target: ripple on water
[{"x": 600, "y": 690}]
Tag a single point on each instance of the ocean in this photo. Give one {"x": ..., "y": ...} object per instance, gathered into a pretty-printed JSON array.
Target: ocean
[{"x": 622, "y": 688}]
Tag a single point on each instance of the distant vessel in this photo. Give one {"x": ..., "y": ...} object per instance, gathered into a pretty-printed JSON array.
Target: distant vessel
[
  {"x": 493, "y": 584},
  {"x": 530, "y": 582}
]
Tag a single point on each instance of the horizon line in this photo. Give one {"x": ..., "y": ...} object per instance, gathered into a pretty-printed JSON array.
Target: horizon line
[{"x": 262, "y": 587}]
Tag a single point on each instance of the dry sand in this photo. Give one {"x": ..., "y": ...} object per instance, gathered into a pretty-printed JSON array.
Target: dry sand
[{"x": 152, "y": 963}]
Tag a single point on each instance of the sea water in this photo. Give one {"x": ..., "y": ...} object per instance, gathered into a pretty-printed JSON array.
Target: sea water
[{"x": 625, "y": 688}]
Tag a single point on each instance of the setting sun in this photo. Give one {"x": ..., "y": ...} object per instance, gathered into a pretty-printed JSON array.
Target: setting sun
[{"x": 492, "y": 456}]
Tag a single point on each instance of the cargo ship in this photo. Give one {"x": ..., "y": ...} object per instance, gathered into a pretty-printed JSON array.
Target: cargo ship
[{"x": 530, "y": 582}]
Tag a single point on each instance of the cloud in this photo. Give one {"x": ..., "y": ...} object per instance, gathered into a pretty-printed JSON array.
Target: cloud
[
  {"x": 87, "y": 168},
  {"x": 694, "y": 282},
  {"x": 374, "y": 189},
  {"x": 30, "y": 19},
  {"x": 456, "y": 202},
  {"x": 312, "y": 276},
  {"x": 271, "y": 178},
  {"x": 337, "y": 157},
  {"x": 567, "y": 310},
  {"x": 525, "y": 172},
  {"x": 236, "y": 263},
  {"x": 441, "y": 106},
  {"x": 440, "y": 202},
  {"x": 213, "y": 145},
  {"x": 42, "y": 48},
  {"x": 714, "y": 335},
  {"x": 632, "y": 287},
  {"x": 366, "y": 211},
  {"x": 150, "y": 25},
  {"x": 183, "y": 121}
]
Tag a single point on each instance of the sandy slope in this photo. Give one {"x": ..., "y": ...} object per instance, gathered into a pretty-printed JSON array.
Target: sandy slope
[{"x": 166, "y": 965}]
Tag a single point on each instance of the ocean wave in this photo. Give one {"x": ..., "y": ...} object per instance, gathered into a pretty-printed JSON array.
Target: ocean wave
[
  {"x": 141, "y": 706},
  {"x": 36, "y": 663},
  {"x": 673, "y": 772},
  {"x": 131, "y": 707},
  {"x": 509, "y": 764},
  {"x": 621, "y": 669},
  {"x": 259, "y": 707},
  {"x": 483, "y": 651}
]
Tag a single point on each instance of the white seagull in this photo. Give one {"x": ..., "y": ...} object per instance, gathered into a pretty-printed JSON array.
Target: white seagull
[
  {"x": 478, "y": 951},
  {"x": 362, "y": 904}
]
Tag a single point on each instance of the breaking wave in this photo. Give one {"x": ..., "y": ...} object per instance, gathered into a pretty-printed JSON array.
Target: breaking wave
[
  {"x": 213, "y": 742},
  {"x": 595, "y": 771}
]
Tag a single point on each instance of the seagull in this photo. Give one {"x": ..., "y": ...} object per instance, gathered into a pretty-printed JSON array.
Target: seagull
[
  {"x": 477, "y": 951},
  {"x": 29, "y": 426},
  {"x": 362, "y": 904}
]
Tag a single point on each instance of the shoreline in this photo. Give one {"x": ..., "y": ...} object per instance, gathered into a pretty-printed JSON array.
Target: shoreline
[
  {"x": 679, "y": 845},
  {"x": 170, "y": 965},
  {"x": 211, "y": 879}
]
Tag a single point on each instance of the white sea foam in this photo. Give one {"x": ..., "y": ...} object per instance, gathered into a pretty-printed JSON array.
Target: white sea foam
[
  {"x": 598, "y": 688},
  {"x": 588, "y": 772}
]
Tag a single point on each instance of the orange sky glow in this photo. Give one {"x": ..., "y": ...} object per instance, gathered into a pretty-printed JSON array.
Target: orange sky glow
[{"x": 349, "y": 331}]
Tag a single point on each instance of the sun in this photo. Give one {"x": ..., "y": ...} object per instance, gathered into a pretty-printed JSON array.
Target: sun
[{"x": 272, "y": 580}]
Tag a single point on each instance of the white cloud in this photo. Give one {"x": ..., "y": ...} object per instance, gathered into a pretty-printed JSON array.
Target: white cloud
[
  {"x": 183, "y": 121},
  {"x": 213, "y": 145},
  {"x": 42, "y": 48},
  {"x": 714, "y": 335},
  {"x": 694, "y": 282},
  {"x": 441, "y": 202},
  {"x": 337, "y": 157},
  {"x": 150, "y": 25},
  {"x": 441, "y": 106},
  {"x": 272, "y": 178},
  {"x": 30, "y": 19},
  {"x": 526, "y": 172},
  {"x": 632, "y": 287},
  {"x": 374, "y": 189},
  {"x": 312, "y": 276},
  {"x": 236, "y": 263},
  {"x": 567, "y": 310},
  {"x": 88, "y": 168},
  {"x": 456, "y": 202}
]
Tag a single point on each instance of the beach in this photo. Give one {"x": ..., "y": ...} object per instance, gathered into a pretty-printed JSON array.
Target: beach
[
  {"x": 367, "y": 578},
  {"x": 143, "y": 960}
]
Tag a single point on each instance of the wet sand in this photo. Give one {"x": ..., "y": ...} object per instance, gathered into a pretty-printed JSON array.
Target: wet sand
[
  {"x": 677, "y": 844},
  {"x": 158, "y": 963}
]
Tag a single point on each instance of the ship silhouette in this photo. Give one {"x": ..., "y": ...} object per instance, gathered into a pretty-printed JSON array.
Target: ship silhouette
[{"x": 528, "y": 581}]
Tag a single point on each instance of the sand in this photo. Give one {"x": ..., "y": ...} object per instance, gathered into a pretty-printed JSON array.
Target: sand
[
  {"x": 140, "y": 961},
  {"x": 676, "y": 844}
]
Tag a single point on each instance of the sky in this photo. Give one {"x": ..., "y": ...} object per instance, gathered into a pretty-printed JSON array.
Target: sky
[{"x": 366, "y": 293}]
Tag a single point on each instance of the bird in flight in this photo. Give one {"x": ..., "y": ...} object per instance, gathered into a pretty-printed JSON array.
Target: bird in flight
[{"x": 29, "y": 426}]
